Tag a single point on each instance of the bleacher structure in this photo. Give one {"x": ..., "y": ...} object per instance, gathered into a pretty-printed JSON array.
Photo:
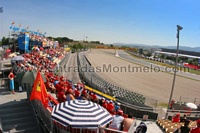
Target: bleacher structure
[{"x": 169, "y": 127}]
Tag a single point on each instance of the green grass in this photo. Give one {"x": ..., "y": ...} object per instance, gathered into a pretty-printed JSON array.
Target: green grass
[
  {"x": 197, "y": 72},
  {"x": 164, "y": 105},
  {"x": 194, "y": 71}
]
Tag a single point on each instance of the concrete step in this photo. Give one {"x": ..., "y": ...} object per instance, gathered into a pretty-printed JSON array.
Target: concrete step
[
  {"x": 14, "y": 104},
  {"x": 17, "y": 120},
  {"x": 20, "y": 127},
  {"x": 30, "y": 130},
  {"x": 14, "y": 109},
  {"x": 17, "y": 116},
  {"x": 12, "y": 115}
]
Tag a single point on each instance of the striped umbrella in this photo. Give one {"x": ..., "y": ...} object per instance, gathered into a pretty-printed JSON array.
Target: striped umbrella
[{"x": 81, "y": 114}]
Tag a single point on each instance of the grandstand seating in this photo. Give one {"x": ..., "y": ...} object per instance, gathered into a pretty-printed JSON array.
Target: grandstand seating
[
  {"x": 102, "y": 85},
  {"x": 168, "y": 127},
  {"x": 93, "y": 80}
]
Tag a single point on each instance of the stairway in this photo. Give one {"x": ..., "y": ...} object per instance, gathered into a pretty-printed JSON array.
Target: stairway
[{"x": 17, "y": 117}]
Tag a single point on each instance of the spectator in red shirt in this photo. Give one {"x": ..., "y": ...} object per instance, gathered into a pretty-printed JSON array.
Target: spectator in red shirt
[
  {"x": 197, "y": 129},
  {"x": 176, "y": 118},
  {"x": 58, "y": 87},
  {"x": 105, "y": 104},
  {"x": 77, "y": 93},
  {"x": 11, "y": 77},
  {"x": 171, "y": 104},
  {"x": 84, "y": 91},
  {"x": 70, "y": 95},
  {"x": 110, "y": 107},
  {"x": 61, "y": 96}
]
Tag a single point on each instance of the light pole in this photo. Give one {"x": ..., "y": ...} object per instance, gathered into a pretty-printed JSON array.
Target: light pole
[{"x": 175, "y": 70}]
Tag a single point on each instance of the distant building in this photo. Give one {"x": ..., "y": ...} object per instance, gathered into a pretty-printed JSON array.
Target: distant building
[{"x": 181, "y": 52}]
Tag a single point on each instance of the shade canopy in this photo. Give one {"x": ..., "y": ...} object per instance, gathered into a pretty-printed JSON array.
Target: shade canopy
[
  {"x": 81, "y": 114},
  {"x": 191, "y": 105},
  {"x": 27, "y": 77},
  {"x": 17, "y": 58}
]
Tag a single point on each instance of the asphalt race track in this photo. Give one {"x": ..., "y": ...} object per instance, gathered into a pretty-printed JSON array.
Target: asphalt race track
[{"x": 141, "y": 79}]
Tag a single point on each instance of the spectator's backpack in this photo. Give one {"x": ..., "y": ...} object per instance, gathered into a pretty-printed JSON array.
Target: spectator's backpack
[{"x": 142, "y": 128}]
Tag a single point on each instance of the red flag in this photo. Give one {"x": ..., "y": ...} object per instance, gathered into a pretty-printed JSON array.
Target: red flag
[{"x": 39, "y": 91}]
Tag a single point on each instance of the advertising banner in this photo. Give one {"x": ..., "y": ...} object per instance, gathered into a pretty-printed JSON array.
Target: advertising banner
[{"x": 23, "y": 41}]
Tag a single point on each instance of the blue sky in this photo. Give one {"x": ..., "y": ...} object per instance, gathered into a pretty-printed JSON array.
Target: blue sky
[{"x": 151, "y": 22}]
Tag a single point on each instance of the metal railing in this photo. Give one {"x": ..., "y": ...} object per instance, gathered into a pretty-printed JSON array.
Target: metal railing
[
  {"x": 4, "y": 82},
  {"x": 57, "y": 128},
  {"x": 59, "y": 69},
  {"x": 66, "y": 58},
  {"x": 194, "y": 100},
  {"x": 43, "y": 115},
  {"x": 191, "y": 114},
  {"x": 108, "y": 130}
]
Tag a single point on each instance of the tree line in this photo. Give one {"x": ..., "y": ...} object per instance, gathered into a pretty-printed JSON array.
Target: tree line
[{"x": 4, "y": 41}]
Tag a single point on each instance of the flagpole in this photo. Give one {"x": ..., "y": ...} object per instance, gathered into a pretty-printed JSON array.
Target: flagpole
[
  {"x": 1, "y": 11},
  {"x": 25, "y": 43}
]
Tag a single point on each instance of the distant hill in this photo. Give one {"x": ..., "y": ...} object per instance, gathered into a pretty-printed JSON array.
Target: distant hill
[{"x": 194, "y": 49}]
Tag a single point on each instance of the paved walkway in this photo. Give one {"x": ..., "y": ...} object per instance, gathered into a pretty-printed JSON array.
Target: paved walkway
[
  {"x": 151, "y": 126},
  {"x": 6, "y": 95}
]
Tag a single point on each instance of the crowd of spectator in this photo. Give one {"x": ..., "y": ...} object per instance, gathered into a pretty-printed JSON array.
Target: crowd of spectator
[
  {"x": 65, "y": 91},
  {"x": 180, "y": 124},
  {"x": 45, "y": 60},
  {"x": 41, "y": 59}
]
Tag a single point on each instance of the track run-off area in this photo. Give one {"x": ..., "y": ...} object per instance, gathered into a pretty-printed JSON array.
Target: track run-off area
[{"x": 153, "y": 84}]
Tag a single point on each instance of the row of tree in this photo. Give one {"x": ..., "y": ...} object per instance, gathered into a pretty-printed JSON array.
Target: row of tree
[
  {"x": 5, "y": 41},
  {"x": 61, "y": 40},
  {"x": 180, "y": 59}
]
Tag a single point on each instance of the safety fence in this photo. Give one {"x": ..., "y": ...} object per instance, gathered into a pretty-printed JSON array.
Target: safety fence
[
  {"x": 191, "y": 114},
  {"x": 66, "y": 58},
  {"x": 189, "y": 99},
  {"x": 1, "y": 127},
  {"x": 4, "y": 83},
  {"x": 58, "y": 128},
  {"x": 42, "y": 115},
  {"x": 139, "y": 112},
  {"x": 60, "y": 67}
]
